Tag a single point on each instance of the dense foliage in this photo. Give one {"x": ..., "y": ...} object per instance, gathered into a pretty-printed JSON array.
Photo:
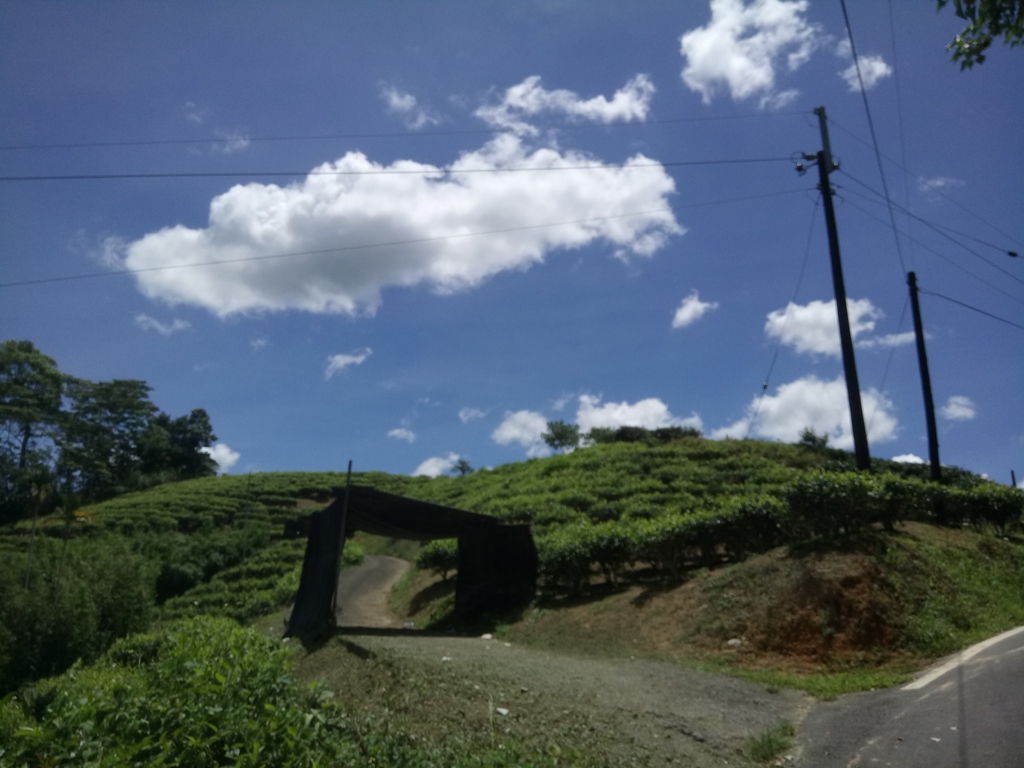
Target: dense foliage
[
  {"x": 63, "y": 438},
  {"x": 208, "y": 693}
]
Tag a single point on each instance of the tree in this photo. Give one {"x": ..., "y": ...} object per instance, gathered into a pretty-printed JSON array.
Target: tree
[
  {"x": 173, "y": 447},
  {"x": 561, "y": 436},
  {"x": 101, "y": 440},
  {"x": 811, "y": 439},
  {"x": 31, "y": 390},
  {"x": 462, "y": 468},
  {"x": 987, "y": 20}
]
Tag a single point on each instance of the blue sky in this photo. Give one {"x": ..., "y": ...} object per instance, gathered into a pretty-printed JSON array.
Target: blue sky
[{"x": 512, "y": 218}]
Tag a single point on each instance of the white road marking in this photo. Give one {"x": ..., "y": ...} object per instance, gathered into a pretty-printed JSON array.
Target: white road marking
[{"x": 960, "y": 658}]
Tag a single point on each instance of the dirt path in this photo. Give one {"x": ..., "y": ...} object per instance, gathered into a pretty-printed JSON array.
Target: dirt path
[
  {"x": 640, "y": 706},
  {"x": 363, "y": 592}
]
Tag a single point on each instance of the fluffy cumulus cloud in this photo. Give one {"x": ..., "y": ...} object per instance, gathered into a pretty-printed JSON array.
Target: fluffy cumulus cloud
[
  {"x": 437, "y": 465},
  {"x": 530, "y": 98},
  {"x": 223, "y": 455},
  {"x": 402, "y": 433},
  {"x": 333, "y": 241},
  {"x": 820, "y": 405},
  {"x": 872, "y": 68},
  {"x": 651, "y": 413},
  {"x": 743, "y": 45},
  {"x": 338, "y": 363},
  {"x": 406, "y": 105},
  {"x": 908, "y": 458},
  {"x": 691, "y": 310},
  {"x": 468, "y": 414},
  {"x": 525, "y": 428},
  {"x": 814, "y": 327},
  {"x": 147, "y": 323},
  {"x": 958, "y": 408}
]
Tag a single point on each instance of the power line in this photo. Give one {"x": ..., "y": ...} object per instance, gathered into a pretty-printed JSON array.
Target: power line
[
  {"x": 387, "y": 172},
  {"x": 888, "y": 362},
  {"x": 939, "y": 192},
  {"x": 968, "y": 306},
  {"x": 785, "y": 319},
  {"x": 899, "y": 115},
  {"x": 938, "y": 229},
  {"x": 874, "y": 137},
  {"x": 381, "y": 135},
  {"x": 936, "y": 253},
  {"x": 367, "y": 246}
]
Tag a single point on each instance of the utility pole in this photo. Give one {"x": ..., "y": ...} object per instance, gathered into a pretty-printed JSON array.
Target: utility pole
[
  {"x": 825, "y": 167},
  {"x": 926, "y": 381}
]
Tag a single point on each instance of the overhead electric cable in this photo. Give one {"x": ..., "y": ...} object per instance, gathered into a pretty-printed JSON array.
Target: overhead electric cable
[
  {"x": 382, "y": 135},
  {"x": 785, "y": 319},
  {"x": 968, "y": 306},
  {"x": 888, "y": 362},
  {"x": 341, "y": 249},
  {"x": 874, "y": 137},
  {"x": 387, "y": 171},
  {"x": 939, "y": 192},
  {"x": 939, "y": 230},
  {"x": 899, "y": 117},
  {"x": 936, "y": 253}
]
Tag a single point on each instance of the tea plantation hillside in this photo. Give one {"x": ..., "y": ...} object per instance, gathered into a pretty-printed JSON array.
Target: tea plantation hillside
[{"x": 732, "y": 537}]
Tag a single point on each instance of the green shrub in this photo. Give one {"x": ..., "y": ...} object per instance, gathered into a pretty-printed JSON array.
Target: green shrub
[
  {"x": 77, "y": 603},
  {"x": 440, "y": 556}
]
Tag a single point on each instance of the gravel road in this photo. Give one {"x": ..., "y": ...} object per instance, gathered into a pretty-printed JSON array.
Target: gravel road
[{"x": 700, "y": 718}]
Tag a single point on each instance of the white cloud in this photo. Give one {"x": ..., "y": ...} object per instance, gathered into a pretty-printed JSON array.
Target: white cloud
[
  {"x": 814, "y": 327},
  {"x": 561, "y": 402},
  {"x": 888, "y": 340},
  {"x": 223, "y": 455},
  {"x": 1021, "y": 485},
  {"x": 437, "y": 465},
  {"x": 331, "y": 218},
  {"x": 336, "y": 363},
  {"x": 405, "y": 104},
  {"x": 529, "y": 98},
  {"x": 743, "y": 45},
  {"x": 821, "y": 405},
  {"x": 467, "y": 414},
  {"x": 258, "y": 344},
  {"x": 194, "y": 113},
  {"x": 937, "y": 183},
  {"x": 231, "y": 141},
  {"x": 147, "y": 323},
  {"x": 525, "y": 428},
  {"x": 651, "y": 413},
  {"x": 691, "y": 310},
  {"x": 872, "y": 69},
  {"x": 401, "y": 433},
  {"x": 908, "y": 458},
  {"x": 958, "y": 408}
]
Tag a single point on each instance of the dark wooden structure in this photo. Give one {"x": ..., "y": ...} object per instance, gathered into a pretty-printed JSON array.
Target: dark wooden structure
[{"x": 497, "y": 563}]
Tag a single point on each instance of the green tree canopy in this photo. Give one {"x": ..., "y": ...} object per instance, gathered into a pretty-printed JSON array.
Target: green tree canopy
[
  {"x": 986, "y": 20},
  {"x": 562, "y": 436}
]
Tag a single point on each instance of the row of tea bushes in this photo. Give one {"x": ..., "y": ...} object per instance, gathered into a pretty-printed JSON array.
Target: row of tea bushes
[
  {"x": 255, "y": 588},
  {"x": 813, "y": 506}
]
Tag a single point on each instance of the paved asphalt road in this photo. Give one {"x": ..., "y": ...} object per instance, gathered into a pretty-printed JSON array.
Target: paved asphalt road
[{"x": 967, "y": 712}]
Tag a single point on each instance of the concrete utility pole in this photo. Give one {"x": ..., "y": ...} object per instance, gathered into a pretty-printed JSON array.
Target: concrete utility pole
[
  {"x": 825, "y": 167},
  {"x": 926, "y": 381}
]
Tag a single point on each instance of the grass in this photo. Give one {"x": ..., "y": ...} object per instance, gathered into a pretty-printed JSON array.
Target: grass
[{"x": 771, "y": 744}]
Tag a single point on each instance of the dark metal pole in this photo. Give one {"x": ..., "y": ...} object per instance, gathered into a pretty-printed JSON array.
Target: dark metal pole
[
  {"x": 860, "y": 433},
  {"x": 341, "y": 539},
  {"x": 926, "y": 381}
]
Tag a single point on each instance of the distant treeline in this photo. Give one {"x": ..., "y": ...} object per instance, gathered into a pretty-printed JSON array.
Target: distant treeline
[{"x": 66, "y": 441}]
